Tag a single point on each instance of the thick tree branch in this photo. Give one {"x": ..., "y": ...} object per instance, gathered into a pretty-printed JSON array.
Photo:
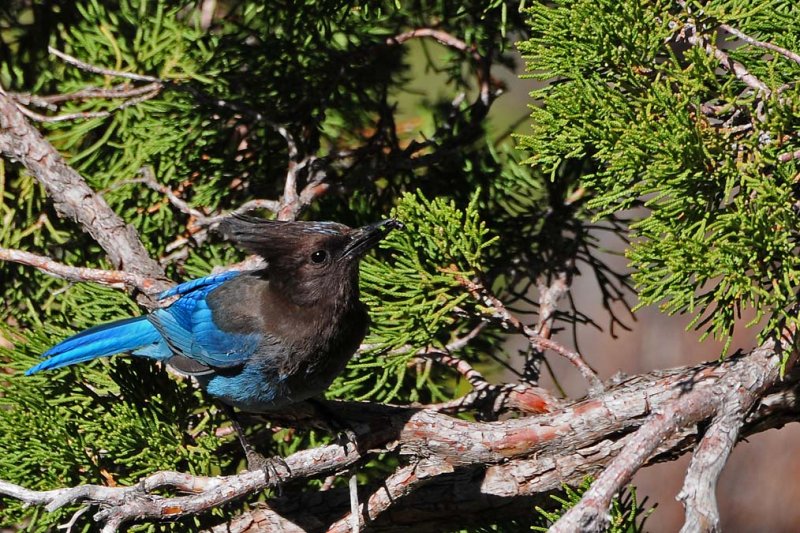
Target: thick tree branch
[
  {"x": 72, "y": 197},
  {"x": 531, "y": 455},
  {"x": 507, "y": 490},
  {"x": 699, "y": 487},
  {"x": 694, "y": 404}
]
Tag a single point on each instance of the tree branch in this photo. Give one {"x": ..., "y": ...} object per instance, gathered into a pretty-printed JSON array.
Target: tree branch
[
  {"x": 101, "y": 70},
  {"x": 72, "y": 197},
  {"x": 761, "y": 44},
  {"x": 694, "y": 404},
  {"x": 531, "y": 455},
  {"x": 709, "y": 458},
  {"x": 690, "y": 33},
  {"x": 113, "y": 278},
  {"x": 500, "y": 311}
]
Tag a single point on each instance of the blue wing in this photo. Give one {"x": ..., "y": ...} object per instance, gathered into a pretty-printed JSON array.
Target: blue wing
[
  {"x": 189, "y": 329},
  {"x": 209, "y": 283}
]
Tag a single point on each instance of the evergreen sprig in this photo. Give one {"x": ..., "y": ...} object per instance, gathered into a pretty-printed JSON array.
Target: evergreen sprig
[
  {"x": 413, "y": 291},
  {"x": 627, "y": 513},
  {"x": 685, "y": 142}
]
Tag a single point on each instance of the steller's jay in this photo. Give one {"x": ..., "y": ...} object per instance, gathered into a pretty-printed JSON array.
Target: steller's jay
[{"x": 257, "y": 340}]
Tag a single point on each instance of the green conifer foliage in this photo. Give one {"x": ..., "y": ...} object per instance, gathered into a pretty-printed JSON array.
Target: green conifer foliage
[{"x": 673, "y": 133}]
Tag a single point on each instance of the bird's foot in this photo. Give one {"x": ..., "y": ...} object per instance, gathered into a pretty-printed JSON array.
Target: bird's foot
[
  {"x": 271, "y": 466},
  {"x": 344, "y": 433},
  {"x": 345, "y": 436}
]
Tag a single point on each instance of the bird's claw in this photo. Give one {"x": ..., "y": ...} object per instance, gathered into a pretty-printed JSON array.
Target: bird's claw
[
  {"x": 271, "y": 466},
  {"x": 345, "y": 436}
]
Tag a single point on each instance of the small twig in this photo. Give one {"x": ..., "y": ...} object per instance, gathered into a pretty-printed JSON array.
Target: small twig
[
  {"x": 483, "y": 66},
  {"x": 101, "y": 70},
  {"x": 355, "y": 517},
  {"x": 200, "y": 218},
  {"x": 83, "y": 115},
  {"x": 480, "y": 293},
  {"x": 113, "y": 278},
  {"x": 327, "y": 483},
  {"x": 761, "y": 44},
  {"x": 442, "y": 37},
  {"x": 474, "y": 377},
  {"x": 491, "y": 400},
  {"x": 461, "y": 342},
  {"x": 550, "y": 292},
  {"x": 149, "y": 179},
  {"x": 133, "y": 95},
  {"x": 50, "y": 101},
  {"x": 75, "y": 516},
  {"x": 292, "y": 203},
  {"x": 445, "y": 357},
  {"x": 402, "y": 482}
]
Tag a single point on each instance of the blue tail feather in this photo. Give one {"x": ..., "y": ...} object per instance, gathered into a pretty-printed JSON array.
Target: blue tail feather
[{"x": 100, "y": 341}]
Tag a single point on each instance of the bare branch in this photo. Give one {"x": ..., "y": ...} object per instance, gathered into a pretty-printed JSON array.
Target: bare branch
[
  {"x": 711, "y": 455},
  {"x": 694, "y": 404},
  {"x": 84, "y": 115},
  {"x": 123, "y": 504},
  {"x": 355, "y": 520},
  {"x": 474, "y": 377},
  {"x": 500, "y": 311},
  {"x": 200, "y": 219},
  {"x": 134, "y": 96},
  {"x": 101, "y": 70},
  {"x": 442, "y": 37},
  {"x": 483, "y": 65},
  {"x": 112, "y": 278},
  {"x": 761, "y": 44},
  {"x": 50, "y": 101},
  {"x": 149, "y": 179},
  {"x": 550, "y": 293},
  {"x": 72, "y": 197},
  {"x": 699, "y": 486}
]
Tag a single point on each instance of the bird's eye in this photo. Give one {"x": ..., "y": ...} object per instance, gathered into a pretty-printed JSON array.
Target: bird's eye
[{"x": 319, "y": 256}]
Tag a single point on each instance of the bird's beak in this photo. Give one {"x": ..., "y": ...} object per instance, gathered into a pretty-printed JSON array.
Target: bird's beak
[{"x": 365, "y": 238}]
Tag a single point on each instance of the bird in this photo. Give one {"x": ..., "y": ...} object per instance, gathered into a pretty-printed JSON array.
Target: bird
[{"x": 257, "y": 340}]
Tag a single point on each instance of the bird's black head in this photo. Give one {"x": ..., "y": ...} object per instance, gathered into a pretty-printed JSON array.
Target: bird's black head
[{"x": 308, "y": 262}]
